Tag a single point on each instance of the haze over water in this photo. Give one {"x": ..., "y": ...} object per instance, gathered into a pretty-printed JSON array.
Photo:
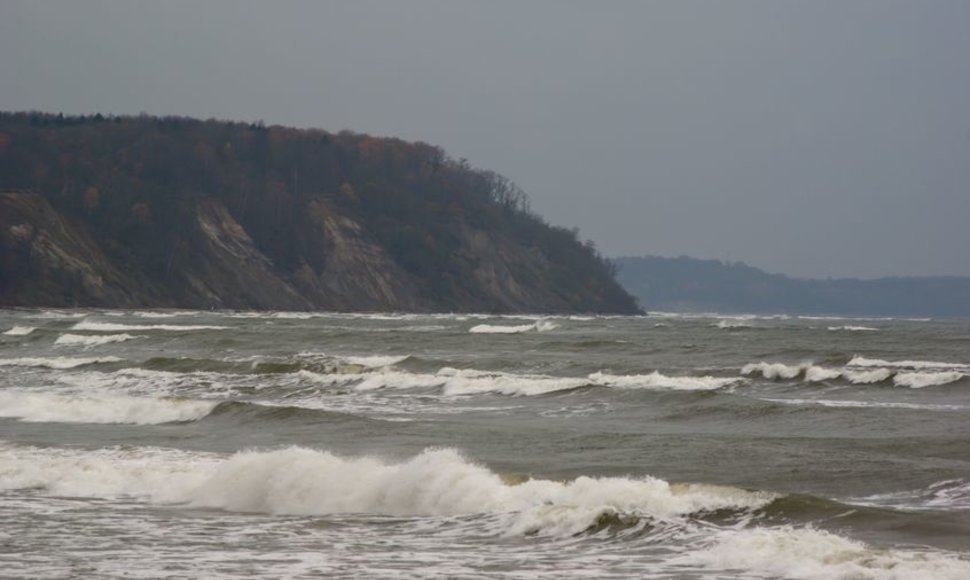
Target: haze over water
[{"x": 218, "y": 444}]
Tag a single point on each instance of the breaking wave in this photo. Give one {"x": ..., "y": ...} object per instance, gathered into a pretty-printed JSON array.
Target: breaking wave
[
  {"x": 300, "y": 481},
  {"x": 860, "y": 361},
  {"x": 867, "y": 373},
  {"x": 948, "y": 494},
  {"x": 469, "y": 382},
  {"x": 85, "y": 340},
  {"x": 60, "y": 362},
  {"x": 113, "y": 327},
  {"x": 455, "y": 382},
  {"x": 810, "y": 554},
  {"x": 99, "y": 408},
  {"x": 661, "y": 381},
  {"x": 537, "y": 326},
  {"x": 20, "y": 331}
]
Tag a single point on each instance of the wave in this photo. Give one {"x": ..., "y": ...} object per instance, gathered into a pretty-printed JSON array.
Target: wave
[
  {"x": 945, "y": 495},
  {"x": 61, "y": 362},
  {"x": 377, "y": 361},
  {"x": 468, "y": 382},
  {"x": 860, "y": 361},
  {"x": 266, "y": 411},
  {"x": 300, "y": 481},
  {"x": 85, "y": 340},
  {"x": 807, "y": 553},
  {"x": 20, "y": 331},
  {"x": 99, "y": 408},
  {"x": 867, "y": 377},
  {"x": 56, "y": 314},
  {"x": 774, "y": 370},
  {"x": 852, "y": 328},
  {"x": 734, "y": 324},
  {"x": 152, "y": 313},
  {"x": 860, "y": 375},
  {"x": 457, "y": 382},
  {"x": 852, "y": 404},
  {"x": 919, "y": 380},
  {"x": 113, "y": 327},
  {"x": 538, "y": 326},
  {"x": 656, "y": 380}
]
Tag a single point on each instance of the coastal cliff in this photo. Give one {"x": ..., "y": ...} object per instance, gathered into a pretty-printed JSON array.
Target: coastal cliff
[{"x": 174, "y": 212}]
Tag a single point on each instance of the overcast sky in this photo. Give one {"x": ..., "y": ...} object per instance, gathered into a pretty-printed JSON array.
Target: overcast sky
[{"x": 813, "y": 138}]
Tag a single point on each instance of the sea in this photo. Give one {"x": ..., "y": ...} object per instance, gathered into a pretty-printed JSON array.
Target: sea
[{"x": 221, "y": 444}]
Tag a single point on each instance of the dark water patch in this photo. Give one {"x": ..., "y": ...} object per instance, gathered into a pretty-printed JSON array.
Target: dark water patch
[
  {"x": 942, "y": 528},
  {"x": 259, "y": 413},
  {"x": 190, "y": 365}
]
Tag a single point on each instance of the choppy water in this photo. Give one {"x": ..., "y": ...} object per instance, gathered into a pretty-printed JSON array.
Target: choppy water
[{"x": 220, "y": 445}]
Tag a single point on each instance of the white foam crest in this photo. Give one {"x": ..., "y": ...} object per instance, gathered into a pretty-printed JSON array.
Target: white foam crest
[
  {"x": 422, "y": 328},
  {"x": 867, "y": 377},
  {"x": 850, "y": 328},
  {"x": 60, "y": 362},
  {"x": 861, "y": 361},
  {"x": 538, "y": 326},
  {"x": 159, "y": 475},
  {"x": 159, "y": 314},
  {"x": 88, "y": 340},
  {"x": 299, "y": 481},
  {"x": 656, "y": 380},
  {"x": 810, "y": 554},
  {"x": 917, "y": 380},
  {"x": 734, "y": 323},
  {"x": 294, "y": 315},
  {"x": 773, "y": 371},
  {"x": 816, "y": 374},
  {"x": 20, "y": 331},
  {"x": 375, "y": 361},
  {"x": 470, "y": 382},
  {"x": 500, "y": 329},
  {"x": 948, "y": 494},
  {"x": 112, "y": 327},
  {"x": 454, "y": 382},
  {"x": 60, "y": 314},
  {"x": 851, "y": 404},
  {"x": 99, "y": 408}
]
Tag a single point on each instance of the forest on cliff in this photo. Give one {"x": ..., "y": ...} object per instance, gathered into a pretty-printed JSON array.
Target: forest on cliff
[{"x": 173, "y": 211}]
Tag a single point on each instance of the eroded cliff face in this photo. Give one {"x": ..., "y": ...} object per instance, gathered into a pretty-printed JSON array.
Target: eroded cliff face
[
  {"x": 351, "y": 271},
  {"x": 48, "y": 259},
  {"x": 174, "y": 212}
]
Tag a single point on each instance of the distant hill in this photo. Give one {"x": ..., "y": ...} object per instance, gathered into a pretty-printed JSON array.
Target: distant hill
[
  {"x": 148, "y": 211},
  {"x": 688, "y": 284}
]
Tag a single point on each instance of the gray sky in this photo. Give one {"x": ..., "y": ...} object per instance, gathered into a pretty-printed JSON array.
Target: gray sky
[{"x": 813, "y": 138}]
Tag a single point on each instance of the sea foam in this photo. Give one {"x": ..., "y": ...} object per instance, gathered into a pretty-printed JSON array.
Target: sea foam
[
  {"x": 810, "y": 554},
  {"x": 113, "y": 327},
  {"x": 86, "y": 340},
  {"x": 537, "y": 326},
  {"x": 861, "y": 361},
  {"x": 60, "y": 362},
  {"x": 656, "y": 380},
  {"x": 862, "y": 371},
  {"x": 917, "y": 380},
  {"x": 20, "y": 331},
  {"x": 300, "y": 481},
  {"x": 774, "y": 370},
  {"x": 99, "y": 408}
]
